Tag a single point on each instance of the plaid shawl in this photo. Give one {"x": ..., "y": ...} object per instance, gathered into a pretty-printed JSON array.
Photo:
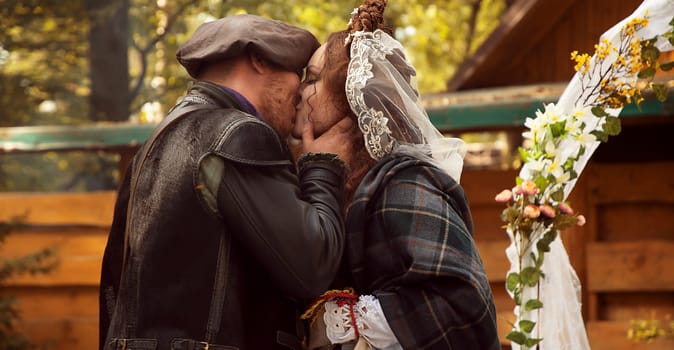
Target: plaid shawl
[{"x": 410, "y": 244}]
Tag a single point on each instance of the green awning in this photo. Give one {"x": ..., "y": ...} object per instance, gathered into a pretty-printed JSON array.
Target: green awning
[
  {"x": 92, "y": 136},
  {"x": 501, "y": 108}
]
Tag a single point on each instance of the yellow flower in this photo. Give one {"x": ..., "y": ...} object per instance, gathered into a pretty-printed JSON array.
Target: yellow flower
[{"x": 582, "y": 61}]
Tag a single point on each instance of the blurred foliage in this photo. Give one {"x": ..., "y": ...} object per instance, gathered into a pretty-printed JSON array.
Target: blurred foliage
[
  {"x": 42, "y": 59},
  {"x": 45, "y": 75},
  {"x": 75, "y": 171},
  {"x": 44, "y": 71},
  {"x": 39, "y": 262}
]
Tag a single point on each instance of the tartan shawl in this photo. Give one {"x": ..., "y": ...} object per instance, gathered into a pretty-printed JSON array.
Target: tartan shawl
[{"x": 409, "y": 243}]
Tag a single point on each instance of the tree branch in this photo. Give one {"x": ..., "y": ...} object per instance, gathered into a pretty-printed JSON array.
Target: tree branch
[
  {"x": 144, "y": 51},
  {"x": 472, "y": 23}
]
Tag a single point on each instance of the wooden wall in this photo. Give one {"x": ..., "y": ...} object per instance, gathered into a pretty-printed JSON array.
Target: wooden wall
[
  {"x": 534, "y": 41},
  {"x": 59, "y": 309},
  {"x": 623, "y": 255}
]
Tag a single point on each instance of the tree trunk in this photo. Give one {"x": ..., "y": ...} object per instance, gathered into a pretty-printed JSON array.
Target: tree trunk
[{"x": 109, "y": 64}]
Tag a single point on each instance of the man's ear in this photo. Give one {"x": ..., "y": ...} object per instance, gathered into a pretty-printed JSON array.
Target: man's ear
[{"x": 258, "y": 63}]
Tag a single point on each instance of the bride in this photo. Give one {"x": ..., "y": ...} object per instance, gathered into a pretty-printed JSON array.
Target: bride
[{"x": 412, "y": 277}]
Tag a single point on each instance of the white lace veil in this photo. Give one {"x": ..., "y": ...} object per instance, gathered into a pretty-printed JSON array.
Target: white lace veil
[{"x": 382, "y": 92}]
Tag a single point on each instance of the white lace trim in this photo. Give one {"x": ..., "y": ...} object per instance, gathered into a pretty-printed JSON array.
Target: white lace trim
[
  {"x": 367, "y": 47},
  {"x": 370, "y": 320}
]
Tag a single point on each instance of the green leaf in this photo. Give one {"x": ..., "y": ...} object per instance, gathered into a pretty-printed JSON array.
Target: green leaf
[
  {"x": 509, "y": 214},
  {"x": 512, "y": 281},
  {"x": 649, "y": 53},
  {"x": 541, "y": 182},
  {"x": 517, "y": 337},
  {"x": 671, "y": 23},
  {"x": 600, "y": 135},
  {"x": 530, "y": 276},
  {"x": 667, "y": 66},
  {"x": 612, "y": 126},
  {"x": 557, "y": 129},
  {"x": 527, "y": 325},
  {"x": 647, "y": 73},
  {"x": 531, "y": 342},
  {"x": 533, "y": 304},
  {"x": 599, "y": 112},
  {"x": 524, "y": 153},
  {"x": 660, "y": 92},
  {"x": 558, "y": 195},
  {"x": 543, "y": 245}
]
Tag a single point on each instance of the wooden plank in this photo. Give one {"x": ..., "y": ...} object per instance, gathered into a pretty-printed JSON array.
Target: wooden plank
[
  {"x": 636, "y": 305},
  {"x": 494, "y": 259},
  {"x": 612, "y": 335},
  {"x": 79, "y": 333},
  {"x": 503, "y": 325},
  {"x": 625, "y": 221},
  {"x": 487, "y": 222},
  {"x": 501, "y": 298},
  {"x": 629, "y": 182},
  {"x": 79, "y": 253},
  {"x": 630, "y": 266},
  {"x": 481, "y": 186},
  {"x": 55, "y": 303},
  {"x": 90, "y": 208}
]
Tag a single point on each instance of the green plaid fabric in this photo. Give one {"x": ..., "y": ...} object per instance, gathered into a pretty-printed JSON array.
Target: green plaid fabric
[{"x": 410, "y": 244}]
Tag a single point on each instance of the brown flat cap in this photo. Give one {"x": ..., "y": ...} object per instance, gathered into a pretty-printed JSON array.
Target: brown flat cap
[{"x": 287, "y": 46}]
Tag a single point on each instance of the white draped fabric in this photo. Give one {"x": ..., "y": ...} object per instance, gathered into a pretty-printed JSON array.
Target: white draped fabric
[{"x": 560, "y": 321}]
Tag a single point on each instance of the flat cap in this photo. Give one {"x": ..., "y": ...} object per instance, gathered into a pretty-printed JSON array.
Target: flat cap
[{"x": 285, "y": 45}]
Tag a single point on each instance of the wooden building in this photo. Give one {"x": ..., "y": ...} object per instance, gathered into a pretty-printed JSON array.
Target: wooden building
[{"x": 623, "y": 256}]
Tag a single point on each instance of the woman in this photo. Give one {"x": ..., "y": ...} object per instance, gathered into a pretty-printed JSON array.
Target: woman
[{"x": 410, "y": 257}]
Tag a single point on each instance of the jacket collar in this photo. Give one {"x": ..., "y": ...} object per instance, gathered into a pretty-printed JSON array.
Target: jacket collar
[{"x": 221, "y": 96}]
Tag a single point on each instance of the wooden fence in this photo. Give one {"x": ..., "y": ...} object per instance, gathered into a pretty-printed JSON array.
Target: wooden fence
[{"x": 624, "y": 255}]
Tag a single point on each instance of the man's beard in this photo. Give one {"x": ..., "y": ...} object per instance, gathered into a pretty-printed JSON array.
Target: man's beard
[{"x": 277, "y": 107}]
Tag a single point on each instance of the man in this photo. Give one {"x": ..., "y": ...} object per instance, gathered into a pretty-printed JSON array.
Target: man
[{"x": 214, "y": 237}]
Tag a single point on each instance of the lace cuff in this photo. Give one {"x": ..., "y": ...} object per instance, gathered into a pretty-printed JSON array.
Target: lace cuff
[
  {"x": 329, "y": 159},
  {"x": 370, "y": 321}
]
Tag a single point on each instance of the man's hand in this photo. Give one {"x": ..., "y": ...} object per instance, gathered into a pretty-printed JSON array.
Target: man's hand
[{"x": 338, "y": 139}]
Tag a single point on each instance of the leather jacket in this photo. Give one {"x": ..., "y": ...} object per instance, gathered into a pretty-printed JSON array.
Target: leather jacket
[{"x": 224, "y": 238}]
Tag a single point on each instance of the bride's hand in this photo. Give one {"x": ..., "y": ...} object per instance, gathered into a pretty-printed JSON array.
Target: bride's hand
[{"x": 337, "y": 140}]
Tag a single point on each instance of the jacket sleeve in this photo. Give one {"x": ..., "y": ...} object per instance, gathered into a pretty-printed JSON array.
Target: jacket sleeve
[
  {"x": 111, "y": 269},
  {"x": 292, "y": 225}
]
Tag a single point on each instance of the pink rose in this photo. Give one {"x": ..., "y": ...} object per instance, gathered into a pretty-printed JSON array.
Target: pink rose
[
  {"x": 504, "y": 197},
  {"x": 528, "y": 188},
  {"x": 581, "y": 220},
  {"x": 532, "y": 211},
  {"x": 547, "y": 210},
  {"x": 565, "y": 208}
]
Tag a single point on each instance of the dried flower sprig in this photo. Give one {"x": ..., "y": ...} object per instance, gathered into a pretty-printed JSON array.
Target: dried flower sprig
[{"x": 536, "y": 208}]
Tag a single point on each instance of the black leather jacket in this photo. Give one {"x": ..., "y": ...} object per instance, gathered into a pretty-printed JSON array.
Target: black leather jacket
[{"x": 224, "y": 238}]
